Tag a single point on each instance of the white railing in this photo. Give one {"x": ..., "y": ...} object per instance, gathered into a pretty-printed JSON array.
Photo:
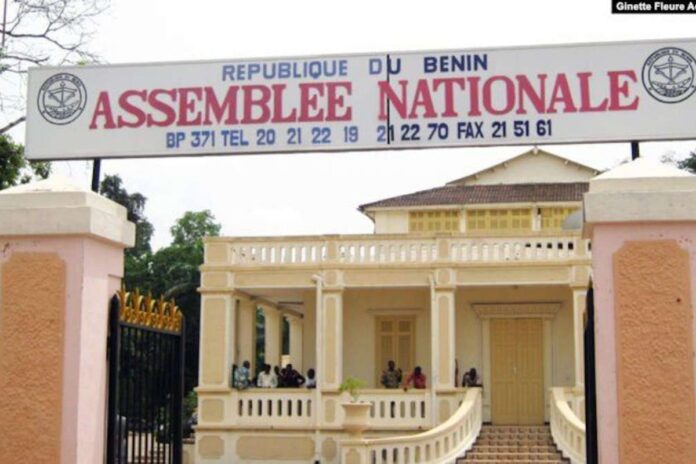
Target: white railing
[
  {"x": 567, "y": 429},
  {"x": 442, "y": 444},
  {"x": 277, "y": 407},
  {"x": 400, "y": 249},
  {"x": 297, "y": 408},
  {"x": 516, "y": 249},
  {"x": 396, "y": 408},
  {"x": 275, "y": 252},
  {"x": 375, "y": 250}
]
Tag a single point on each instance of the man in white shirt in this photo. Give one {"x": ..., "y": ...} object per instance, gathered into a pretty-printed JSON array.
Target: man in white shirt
[{"x": 267, "y": 378}]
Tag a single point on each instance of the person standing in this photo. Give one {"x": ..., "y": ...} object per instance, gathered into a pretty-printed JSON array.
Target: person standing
[
  {"x": 416, "y": 378},
  {"x": 267, "y": 379},
  {"x": 292, "y": 378},
  {"x": 471, "y": 378},
  {"x": 240, "y": 376},
  {"x": 391, "y": 378},
  {"x": 311, "y": 379}
]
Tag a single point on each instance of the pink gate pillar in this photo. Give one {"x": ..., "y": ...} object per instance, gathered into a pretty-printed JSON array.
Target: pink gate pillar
[
  {"x": 641, "y": 218},
  {"x": 61, "y": 258}
]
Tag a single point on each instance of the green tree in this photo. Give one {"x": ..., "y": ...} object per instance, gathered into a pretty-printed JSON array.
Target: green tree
[
  {"x": 192, "y": 227},
  {"x": 137, "y": 259},
  {"x": 14, "y": 168},
  {"x": 174, "y": 273},
  {"x": 688, "y": 163}
]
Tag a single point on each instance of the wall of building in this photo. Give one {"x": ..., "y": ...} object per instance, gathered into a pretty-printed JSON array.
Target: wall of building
[
  {"x": 391, "y": 222},
  {"x": 360, "y": 310},
  {"x": 469, "y": 347},
  {"x": 362, "y": 307},
  {"x": 538, "y": 168}
]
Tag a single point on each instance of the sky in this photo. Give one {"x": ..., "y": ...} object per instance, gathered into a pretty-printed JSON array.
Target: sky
[{"x": 319, "y": 193}]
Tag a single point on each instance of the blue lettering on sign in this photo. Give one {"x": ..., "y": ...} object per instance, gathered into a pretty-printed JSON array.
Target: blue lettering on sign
[
  {"x": 314, "y": 69},
  {"x": 233, "y": 138},
  {"x": 175, "y": 139},
  {"x": 375, "y": 66},
  {"x": 455, "y": 63}
]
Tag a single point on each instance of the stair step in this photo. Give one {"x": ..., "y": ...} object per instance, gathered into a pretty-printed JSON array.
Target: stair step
[
  {"x": 538, "y": 456},
  {"x": 516, "y": 461},
  {"x": 514, "y": 448},
  {"x": 514, "y": 444}
]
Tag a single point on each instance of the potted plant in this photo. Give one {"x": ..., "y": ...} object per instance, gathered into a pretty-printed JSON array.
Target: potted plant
[{"x": 356, "y": 412}]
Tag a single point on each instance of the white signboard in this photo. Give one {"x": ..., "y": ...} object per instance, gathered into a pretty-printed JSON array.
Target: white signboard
[{"x": 533, "y": 95}]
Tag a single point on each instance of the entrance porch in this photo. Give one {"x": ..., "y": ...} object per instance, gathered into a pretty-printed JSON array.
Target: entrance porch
[{"x": 515, "y": 316}]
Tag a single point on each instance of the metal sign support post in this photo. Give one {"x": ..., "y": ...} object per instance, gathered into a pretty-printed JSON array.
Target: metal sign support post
[
  {"x": 635, "y": 150},
  {"x": 96, "y": 171}
]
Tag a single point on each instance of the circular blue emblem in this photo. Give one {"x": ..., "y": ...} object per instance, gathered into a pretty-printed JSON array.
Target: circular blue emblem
[
  {"x": 668, "y": 75},
  {"x": 62, "y": 98}
]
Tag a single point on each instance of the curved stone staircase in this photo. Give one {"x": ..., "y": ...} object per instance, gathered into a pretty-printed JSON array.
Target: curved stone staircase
[{"x": 514, "y": 444}]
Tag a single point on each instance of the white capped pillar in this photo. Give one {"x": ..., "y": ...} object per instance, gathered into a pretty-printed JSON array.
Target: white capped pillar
[
  {"x": 579, "y": 304},
  {"x": 296, "y": 333},
  {"x": 442, "y": 317},
  {"x": 272, "y": 334},
  {"x": 246, "y": 331},
  {"x": 330, "y": 372},
  {"x": 217, "y": 345}
]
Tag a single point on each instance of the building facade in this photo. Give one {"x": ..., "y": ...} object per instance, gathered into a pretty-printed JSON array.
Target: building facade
[{"x": 485, "y": 272}]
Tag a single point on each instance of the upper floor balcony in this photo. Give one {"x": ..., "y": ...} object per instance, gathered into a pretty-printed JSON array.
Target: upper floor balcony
[{"x": 326, "y": 251}]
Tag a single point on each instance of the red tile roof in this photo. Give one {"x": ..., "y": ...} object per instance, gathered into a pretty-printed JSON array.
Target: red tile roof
[{"x": 481, "y": 194}]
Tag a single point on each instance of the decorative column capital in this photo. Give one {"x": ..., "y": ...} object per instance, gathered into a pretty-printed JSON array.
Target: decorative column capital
[{"x": 445, "y": 279}]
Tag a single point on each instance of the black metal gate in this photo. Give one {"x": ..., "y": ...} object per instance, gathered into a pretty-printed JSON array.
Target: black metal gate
[
  {"x": 590, "y": 383},
  {"x": 146, "y": 380}
]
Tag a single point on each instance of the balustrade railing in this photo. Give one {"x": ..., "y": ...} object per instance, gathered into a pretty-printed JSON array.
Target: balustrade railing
[
  {"x": 567, "y": 429},
  {"x": 297, "y": 408},
  {"x": 442, "y": 444},
  {"x": 278, "y": 407},
  {"x": 396, "y": 409},
  {"x": 401, "y": 249}
]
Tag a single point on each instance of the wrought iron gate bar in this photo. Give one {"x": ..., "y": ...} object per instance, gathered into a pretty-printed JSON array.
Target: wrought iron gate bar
[
  {"x": 144, "y": 311},
  {"x": 146, "y": 380}
]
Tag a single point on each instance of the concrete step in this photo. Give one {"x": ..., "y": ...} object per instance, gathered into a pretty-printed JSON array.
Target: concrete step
[
  {"x": 510, "y": 461},
  {"x": 514, "y": 448},
  {"x": 514, "y": 444},
  {"x": 507, "y": 456}
]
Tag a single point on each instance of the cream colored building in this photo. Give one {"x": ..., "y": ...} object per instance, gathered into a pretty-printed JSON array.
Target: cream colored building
[{"x": 477, "y": 273}]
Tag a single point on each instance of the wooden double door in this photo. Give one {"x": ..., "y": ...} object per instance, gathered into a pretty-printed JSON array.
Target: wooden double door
[
  {"x": 517, "y": 371},
  {"x": 395, "y": 342}
]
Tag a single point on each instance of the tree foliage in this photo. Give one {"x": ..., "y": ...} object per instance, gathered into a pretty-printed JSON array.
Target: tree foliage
[
  {"x": 43, "y": 32},
  {"x": 137, "y": 259},
  {"x": 171, "y": 271},
  {"x": 14, "y": 168},
  {"x": 688, "y": 163}
]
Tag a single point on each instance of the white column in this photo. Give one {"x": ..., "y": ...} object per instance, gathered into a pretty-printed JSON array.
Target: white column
[
  {"x": 442, "y": 338},
  {"x": 217, "y": 345},
  {"x": 486, "y": 374},
  {"x": 246, "y": 332},
  {"x": 579, "y": 302},
  {"x": 272, "y": 333},
  {"x": 330, "y": 322},
  {"x": 296, "y": 341}
]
